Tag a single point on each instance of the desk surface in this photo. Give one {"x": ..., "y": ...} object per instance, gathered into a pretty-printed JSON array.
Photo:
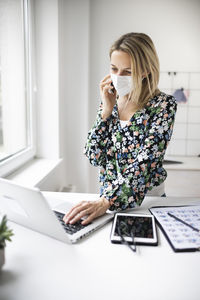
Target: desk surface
[{"x": 39, "y": 267}]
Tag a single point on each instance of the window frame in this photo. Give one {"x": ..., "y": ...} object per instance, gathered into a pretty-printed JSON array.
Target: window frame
[{"x": 16, "y": 160}]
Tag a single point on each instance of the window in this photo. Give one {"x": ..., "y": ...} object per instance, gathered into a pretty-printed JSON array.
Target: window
[{"x": 16, "y": 105}]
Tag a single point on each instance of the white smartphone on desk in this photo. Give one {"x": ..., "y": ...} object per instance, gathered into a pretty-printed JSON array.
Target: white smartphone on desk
[{"x": 139, "y": 228}]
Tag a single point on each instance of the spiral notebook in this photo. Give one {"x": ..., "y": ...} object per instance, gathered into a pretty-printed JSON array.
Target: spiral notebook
[{"x": 180, "y": 236}]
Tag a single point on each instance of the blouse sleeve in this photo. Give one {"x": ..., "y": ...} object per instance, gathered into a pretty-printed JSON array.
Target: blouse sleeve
[
  {"x": 95, "y": 148},
  {"x": 139, "y": 175}
]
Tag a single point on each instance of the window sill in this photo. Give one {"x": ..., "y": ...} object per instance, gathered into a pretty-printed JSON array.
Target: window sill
[{"x": 41, "y": 173}]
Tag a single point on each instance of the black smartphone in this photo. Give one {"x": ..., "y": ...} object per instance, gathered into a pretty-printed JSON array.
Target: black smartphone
[{"x": 112, "y": 91}]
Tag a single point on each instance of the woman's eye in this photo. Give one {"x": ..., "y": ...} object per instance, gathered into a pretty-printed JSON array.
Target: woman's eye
[
  {"x": 114, "y": 69},
  {"x": 128, "y": 72}
]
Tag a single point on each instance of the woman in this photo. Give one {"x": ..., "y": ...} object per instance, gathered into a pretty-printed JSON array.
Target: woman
[{"x": 131, "y": 132}]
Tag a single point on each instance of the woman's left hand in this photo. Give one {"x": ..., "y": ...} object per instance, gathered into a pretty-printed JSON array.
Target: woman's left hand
[{"x": 89, "y": 209}]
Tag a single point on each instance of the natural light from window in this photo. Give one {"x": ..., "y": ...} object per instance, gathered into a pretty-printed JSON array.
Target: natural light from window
[{"x": 14, "y": 69}]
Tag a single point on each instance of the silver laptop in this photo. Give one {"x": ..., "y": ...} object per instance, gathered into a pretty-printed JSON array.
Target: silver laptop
[{"x": 28, "y": 207}]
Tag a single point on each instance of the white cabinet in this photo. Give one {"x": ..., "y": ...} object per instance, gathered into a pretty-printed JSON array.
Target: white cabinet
[{"x": 183, "y": 183}]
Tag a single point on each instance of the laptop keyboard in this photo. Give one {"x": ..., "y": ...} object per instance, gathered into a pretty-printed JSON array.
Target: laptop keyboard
[{"x": 69, "y": 228}]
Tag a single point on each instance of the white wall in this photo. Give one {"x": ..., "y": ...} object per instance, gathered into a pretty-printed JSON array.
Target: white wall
[
  {"x": 73, "y": 80},
  {"x": 84, "y": 32}
]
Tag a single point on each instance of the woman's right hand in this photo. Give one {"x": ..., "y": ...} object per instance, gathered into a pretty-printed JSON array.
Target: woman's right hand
[{"x": 108, "y": 99}]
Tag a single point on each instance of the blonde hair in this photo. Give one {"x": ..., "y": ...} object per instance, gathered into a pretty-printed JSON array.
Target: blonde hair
[{"x": 144, "y": 61}]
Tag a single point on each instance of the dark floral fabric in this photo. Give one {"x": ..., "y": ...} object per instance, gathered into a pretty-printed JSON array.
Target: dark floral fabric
[{"x": 131, "y": 158}]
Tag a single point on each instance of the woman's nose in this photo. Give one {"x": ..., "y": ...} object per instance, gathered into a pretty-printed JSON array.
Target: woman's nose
[{"x": 120, "y": 73}]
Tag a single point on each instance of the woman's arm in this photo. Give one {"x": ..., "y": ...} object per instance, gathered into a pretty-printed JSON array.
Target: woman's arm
[{"x": 95, "y": 148}]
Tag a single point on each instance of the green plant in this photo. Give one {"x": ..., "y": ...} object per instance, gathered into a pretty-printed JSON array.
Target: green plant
[{"x": 5, "y": 232}]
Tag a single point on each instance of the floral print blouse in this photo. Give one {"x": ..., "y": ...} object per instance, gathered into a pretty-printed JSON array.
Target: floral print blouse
[{"x": 131, "y": 158}]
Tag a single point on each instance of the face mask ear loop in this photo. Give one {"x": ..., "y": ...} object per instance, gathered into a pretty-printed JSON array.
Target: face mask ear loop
[{"x": 129, "y": 96}]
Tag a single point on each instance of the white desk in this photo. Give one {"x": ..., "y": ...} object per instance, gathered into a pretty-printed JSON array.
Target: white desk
[{"x": 39, "y": 267}]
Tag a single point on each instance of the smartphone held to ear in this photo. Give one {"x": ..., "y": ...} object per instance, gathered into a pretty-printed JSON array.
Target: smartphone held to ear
[{"x": 111, "y": 91}]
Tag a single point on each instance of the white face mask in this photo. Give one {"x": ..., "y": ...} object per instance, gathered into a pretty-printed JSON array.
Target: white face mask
[{"x": 122, "y": 84}]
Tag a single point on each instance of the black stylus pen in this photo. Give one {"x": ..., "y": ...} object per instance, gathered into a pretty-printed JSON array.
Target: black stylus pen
[{"x": 183, "y": 222}]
